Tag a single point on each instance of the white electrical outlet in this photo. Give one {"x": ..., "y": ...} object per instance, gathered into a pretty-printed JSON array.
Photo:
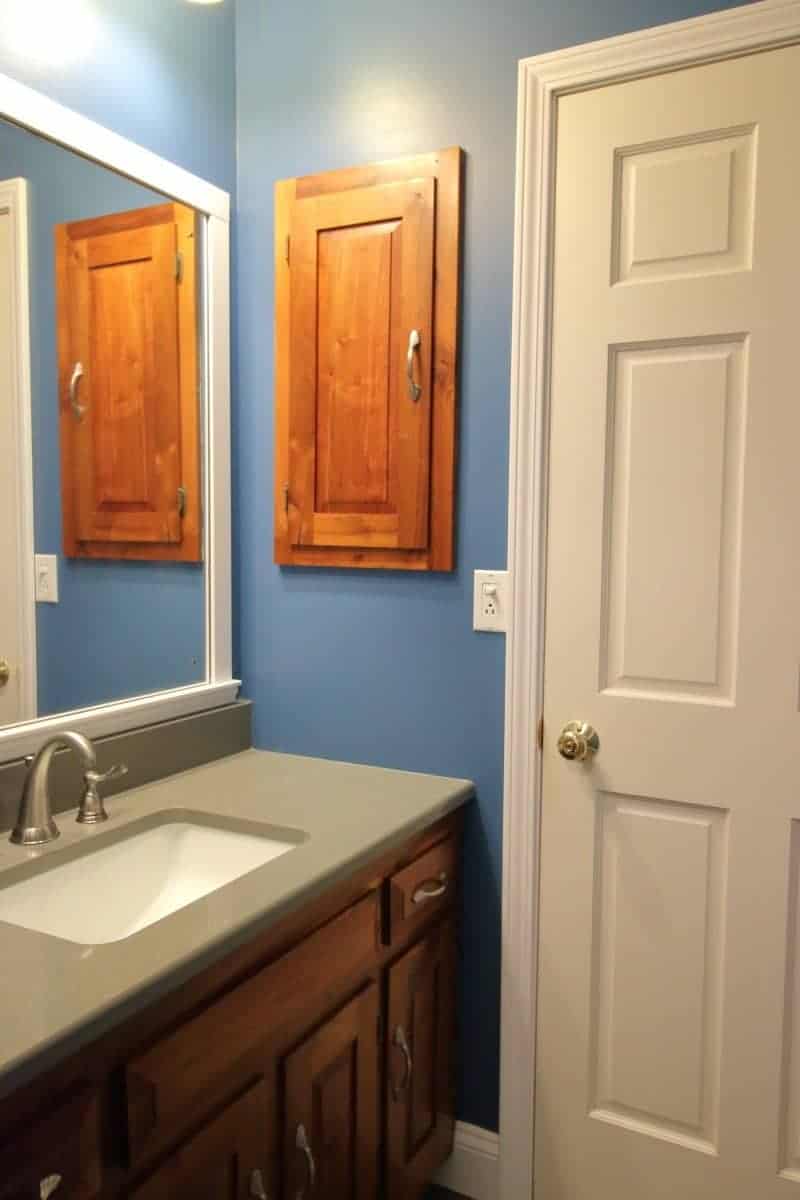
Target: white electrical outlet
[
  {"x": 490, "y": 601},
  {"x": 46, "y": 570}
]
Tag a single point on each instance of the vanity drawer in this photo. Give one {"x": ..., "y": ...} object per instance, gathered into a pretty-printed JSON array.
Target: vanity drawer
[
  {"x": 425, "y": 886},
  {"x": 57, "y": 1154},
  {"x": 205, "y": 1059}
]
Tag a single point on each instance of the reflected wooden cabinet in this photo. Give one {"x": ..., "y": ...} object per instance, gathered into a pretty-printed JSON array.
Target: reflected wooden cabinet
[
  {"x": 127, "y": 327},
  {"x": 316, "y": 1063},
  {"x": 365, "y": 333}
]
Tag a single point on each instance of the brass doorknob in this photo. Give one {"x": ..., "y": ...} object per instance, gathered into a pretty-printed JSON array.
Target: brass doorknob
[
  {"x": 5, "y": 671},
  {"x": 578, "y": 741}
]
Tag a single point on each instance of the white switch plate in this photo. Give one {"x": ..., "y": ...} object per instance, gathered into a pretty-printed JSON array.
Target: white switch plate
[
  {"x": 46, "y": 566},
  {"x": 490, "y": 601}
]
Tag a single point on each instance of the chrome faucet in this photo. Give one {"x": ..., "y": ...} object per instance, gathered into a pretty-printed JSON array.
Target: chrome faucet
[{"x": 35, "y": 824}]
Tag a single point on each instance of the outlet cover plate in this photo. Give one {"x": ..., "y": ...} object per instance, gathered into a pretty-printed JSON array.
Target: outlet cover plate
[
  {"x": 46, "y": 570},
  {"x": 490, "y": 601}
]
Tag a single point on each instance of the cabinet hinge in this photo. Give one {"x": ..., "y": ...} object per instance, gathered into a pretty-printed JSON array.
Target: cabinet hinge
[
  {"x": 179, "y": 267},
  {"x": 540, "y": 733},
  {"x": 288, "y": 250},
  {"x": 181, "y": 501}
]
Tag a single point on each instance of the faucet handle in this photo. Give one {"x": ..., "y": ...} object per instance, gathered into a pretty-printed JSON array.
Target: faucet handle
[
  {"x": 115, "y": 772},
  {"x": 92, "y": 811}
]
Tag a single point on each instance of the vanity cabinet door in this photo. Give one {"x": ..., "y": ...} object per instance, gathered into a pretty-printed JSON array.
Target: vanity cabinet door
[
  {"x": 227, "y": 1160},
  {"x": 54, "y": 1154},
  {"x": 420, "y": 1077},
  {"x": 332, "y": 1104},
  {"x": 128, "y": 384}
]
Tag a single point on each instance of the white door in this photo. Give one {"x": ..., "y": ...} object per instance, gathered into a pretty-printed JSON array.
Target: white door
[
  {"x": 668, "y": 1061},
  {"x": 17, "y": 694}
]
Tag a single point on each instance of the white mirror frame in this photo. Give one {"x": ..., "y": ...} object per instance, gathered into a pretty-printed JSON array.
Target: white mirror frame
[{"x": 31, "y": 110}]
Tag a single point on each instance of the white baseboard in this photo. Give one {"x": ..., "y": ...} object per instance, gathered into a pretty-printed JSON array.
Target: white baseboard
[{"x": 472, "y": 1168}]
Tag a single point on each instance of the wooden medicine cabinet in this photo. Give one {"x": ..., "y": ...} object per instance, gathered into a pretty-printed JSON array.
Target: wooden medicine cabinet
[
  {"x": 367, "y": 270},
  {"x": 127, "y": 327}
]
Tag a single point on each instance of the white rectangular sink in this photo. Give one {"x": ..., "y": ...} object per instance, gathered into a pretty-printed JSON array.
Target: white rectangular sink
[{"x": 117, "y": 889}]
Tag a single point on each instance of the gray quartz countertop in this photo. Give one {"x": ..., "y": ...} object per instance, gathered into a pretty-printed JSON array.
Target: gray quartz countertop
[{"x": 57, "y": 995}]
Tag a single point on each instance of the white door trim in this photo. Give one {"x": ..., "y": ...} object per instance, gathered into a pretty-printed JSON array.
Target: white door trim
[
  {"x": 14, "y": 201},
  {"x": 542, "y": 80}
]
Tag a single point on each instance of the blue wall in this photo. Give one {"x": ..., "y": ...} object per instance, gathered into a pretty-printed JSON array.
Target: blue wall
[
  {"x": 162, "y": 73},
  {"x": 385, "y": 668},
  {"x": 138, "y": 627}
]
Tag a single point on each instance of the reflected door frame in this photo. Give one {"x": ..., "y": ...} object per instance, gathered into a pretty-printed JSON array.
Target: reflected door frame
[
  {"x": 18, "y": 455},
  {"x": 542, "y": 81}
]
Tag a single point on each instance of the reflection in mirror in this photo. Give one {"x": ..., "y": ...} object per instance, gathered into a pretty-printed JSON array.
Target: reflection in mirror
[{"x": 114, "y": 417}]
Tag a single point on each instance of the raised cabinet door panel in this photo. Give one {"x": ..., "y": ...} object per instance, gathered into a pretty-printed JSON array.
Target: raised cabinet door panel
[
  {"x": 420, "y": 1080},
  {"x": 128, "y": 383},
  {"x": 365, "y": 327},
  {"x": 359, "y": 441},
  {"x": 229, "y": 1159},
  {"x": 332, "y": 1106}
]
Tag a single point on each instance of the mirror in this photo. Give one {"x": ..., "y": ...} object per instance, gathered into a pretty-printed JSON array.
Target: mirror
[{"x": 102, "y": 427}]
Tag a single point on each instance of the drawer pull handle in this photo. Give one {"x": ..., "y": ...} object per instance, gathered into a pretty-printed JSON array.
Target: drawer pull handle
[
  {"x": 303, "y": 1145},
  {"x": 430, "y": 889},
  {"x": 401, "y": 1041},
  {"x": 257, "y": 1189},
  {"x": 48, "y": 1185}
]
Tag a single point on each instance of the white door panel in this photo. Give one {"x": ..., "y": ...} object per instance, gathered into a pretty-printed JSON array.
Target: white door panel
[{"x": 668, "y": 1062}]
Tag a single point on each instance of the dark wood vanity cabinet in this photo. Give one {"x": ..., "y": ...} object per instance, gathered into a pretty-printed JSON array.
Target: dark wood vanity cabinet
[
  {"x": 316, "y": 1062},
  {"x": 225, "y": 1160}
]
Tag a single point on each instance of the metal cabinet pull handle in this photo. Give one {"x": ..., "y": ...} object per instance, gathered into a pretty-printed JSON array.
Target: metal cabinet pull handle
[
  {"x": 257, "y": 1189},
  {"x": 401, "y": 1041},
  {"x": 414, "y": 389},
  {"x": 75, "y": 378},
  {"x": 5, "y": 671},
  {"x": 430, "y": 889},
  {"x": 48, "y": 1185},
  {"x": 303, "y": 1145}
]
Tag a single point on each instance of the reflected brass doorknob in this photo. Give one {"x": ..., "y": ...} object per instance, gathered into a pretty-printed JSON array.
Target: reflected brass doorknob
[
  {"x": 578, "y": 741},
  {"x": 5, "y": 671}
]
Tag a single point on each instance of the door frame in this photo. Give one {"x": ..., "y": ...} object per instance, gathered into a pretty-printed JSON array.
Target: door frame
[
  {"x": 14, "y": 201},
  {"x": 763, "y": 25}
]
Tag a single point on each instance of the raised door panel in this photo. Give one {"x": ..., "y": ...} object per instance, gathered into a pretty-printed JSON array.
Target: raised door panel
[
  {"x": 228, "y": 1159},
  {"x": 128, "y": 367},
  {"x": 420, "y": 1084},
  {"x": 359, "y": 422},
  {"x": 332, "y": 1104},
  {"x": 57, "y": 1153}
]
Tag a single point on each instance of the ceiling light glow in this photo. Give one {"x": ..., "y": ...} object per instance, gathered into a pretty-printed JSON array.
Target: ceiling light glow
[{"x": 49, "y": 33}]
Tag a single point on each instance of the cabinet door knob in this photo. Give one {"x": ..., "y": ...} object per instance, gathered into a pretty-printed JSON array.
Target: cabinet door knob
[
  {"x": 401, "y": 1041},
  {"x": 257, "y": 1189},
  {"x": 304, "y": 1146},
  {"x": 48, "y": 1185}
]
